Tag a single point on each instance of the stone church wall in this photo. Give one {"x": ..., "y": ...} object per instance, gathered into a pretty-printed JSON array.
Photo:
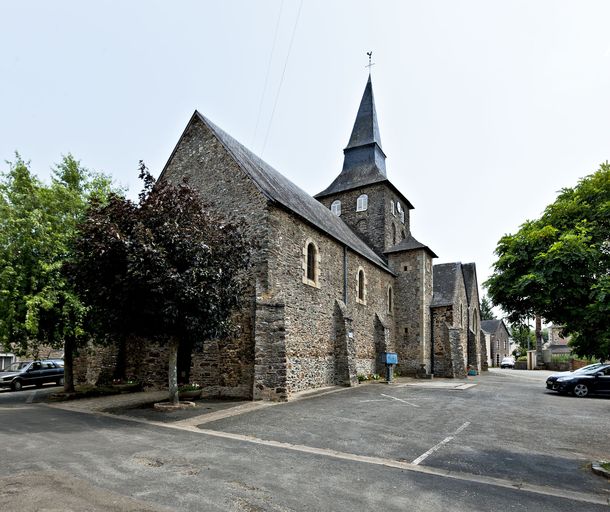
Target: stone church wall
[
  {"x": 310, "y": 312},
  {"x": 442, "y": 320},
  {"x": 224, "y": 367},
  {"x": 413, "y": 295}
]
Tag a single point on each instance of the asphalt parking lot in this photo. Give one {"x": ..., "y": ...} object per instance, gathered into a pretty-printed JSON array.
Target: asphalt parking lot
[{"x": 504, "y": 442}]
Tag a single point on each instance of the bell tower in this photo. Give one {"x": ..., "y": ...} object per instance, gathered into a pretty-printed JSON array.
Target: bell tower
[{"x": 361, "y": 194}]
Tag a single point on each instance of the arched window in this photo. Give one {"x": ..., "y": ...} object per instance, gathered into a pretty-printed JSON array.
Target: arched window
[
  {"x": 402, "y": 216},
  {"x": 474, "y": 320},
  {"x": 461, "y": 316},
  {"x": 362, "y": 203},
  {"x": 393, "y": 234},
  {"x": 311, "y": 264},
  {"x": 390, "y": 300},
  {"x": 392, "y": 207},
  {"x": 361, "y": 287},
  {"x": 398, "y": 207},
  {"x": 336, "y": 208},
  {"x": 403, "y": 235}
]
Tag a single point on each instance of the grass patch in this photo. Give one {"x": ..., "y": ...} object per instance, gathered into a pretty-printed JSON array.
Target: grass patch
[{"x": 605, "y": 465}]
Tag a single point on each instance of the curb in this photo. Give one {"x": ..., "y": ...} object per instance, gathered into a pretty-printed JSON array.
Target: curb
[{"x": 596, "y": 467}]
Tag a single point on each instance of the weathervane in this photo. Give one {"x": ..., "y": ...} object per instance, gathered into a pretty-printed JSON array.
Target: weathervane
[{"x": 370, "y": 64}]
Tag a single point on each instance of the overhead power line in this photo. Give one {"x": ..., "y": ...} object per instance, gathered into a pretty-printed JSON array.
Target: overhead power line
[
  {"x": 260, "y": 106},
  {"x": 294, "y": 29}
]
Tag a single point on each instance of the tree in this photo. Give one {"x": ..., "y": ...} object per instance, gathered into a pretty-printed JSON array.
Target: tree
[
  {"x": 38, "y": 225},
  {"x": 558, "y": 266},
  {"x": 162, "y": 268},
  {"x": 486, "y": 309}
]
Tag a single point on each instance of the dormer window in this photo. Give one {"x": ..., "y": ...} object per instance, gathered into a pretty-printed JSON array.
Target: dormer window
[
  {"x": 398, "y": 207},
  {"x": 402, "y": 217},
  {"x": 336, "y": 208},
  {"x": 362, "y": 203},
  {"x": 392, "y": 207}
]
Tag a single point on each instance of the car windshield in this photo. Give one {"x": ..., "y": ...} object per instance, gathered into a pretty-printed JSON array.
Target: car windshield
[
  {"x": 588, "y": 367},
  {"x": 593, "y": 371},
  {"x": 15, "y": 367}
]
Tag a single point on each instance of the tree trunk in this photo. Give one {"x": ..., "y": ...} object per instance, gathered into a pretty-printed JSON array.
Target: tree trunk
[
  {"x": 539, "y": 339},
  {"x": 172, "y": 371},
  {"x": 69, "y": 346}
]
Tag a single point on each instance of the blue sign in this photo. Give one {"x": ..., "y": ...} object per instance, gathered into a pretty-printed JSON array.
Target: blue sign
[{"x": 389, "y": 358}]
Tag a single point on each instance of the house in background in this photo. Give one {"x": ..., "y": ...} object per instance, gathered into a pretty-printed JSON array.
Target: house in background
[
  {"x": 6, "y": 359},
  {"x": 497, "y": 340},
  {"x": 557, "y": 344}
]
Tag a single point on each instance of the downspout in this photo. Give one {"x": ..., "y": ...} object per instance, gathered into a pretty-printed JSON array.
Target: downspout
[
  {"x": 345, "y": 275},
  {"x": 431, "y": 341}
]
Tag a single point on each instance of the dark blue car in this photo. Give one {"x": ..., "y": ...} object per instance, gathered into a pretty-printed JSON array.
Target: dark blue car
[{"x": 32, "y": 373}]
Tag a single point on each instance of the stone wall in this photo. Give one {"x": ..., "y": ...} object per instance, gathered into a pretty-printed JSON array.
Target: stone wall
[
  {"x": 313, "y": 326},
  {"x": 412, "y": 298},
  {"x": 450, "y": 343},
  {"x": 374, "y": 225},
  {"x": 442, "y": 318},
  {"x": 223, "y": 367},
  {"x": 270, "y": 367}
]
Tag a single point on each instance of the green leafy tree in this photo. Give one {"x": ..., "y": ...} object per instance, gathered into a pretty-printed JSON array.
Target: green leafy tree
[
  {"x": 38, "y": 225},
  {"x": 162, "y": 268},
  {"x": 523, "y": 336},
  {"x": 558, "y": 266},
  {"x": 487, "y": 309}
]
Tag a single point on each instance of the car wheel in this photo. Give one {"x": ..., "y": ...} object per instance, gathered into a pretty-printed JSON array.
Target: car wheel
[
  {"x": 60, "y": 381},
  {"x": 580, "y": 390},
  {"x": 16, "y": 385}
]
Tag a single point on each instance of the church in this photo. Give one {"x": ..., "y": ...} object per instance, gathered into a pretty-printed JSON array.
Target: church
[{"x": 337, "y": 278}]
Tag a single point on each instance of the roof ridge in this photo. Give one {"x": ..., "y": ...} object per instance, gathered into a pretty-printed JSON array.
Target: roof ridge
[{"x": 279, "y": 189}]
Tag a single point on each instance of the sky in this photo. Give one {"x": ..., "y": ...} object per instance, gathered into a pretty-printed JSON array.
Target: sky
[{"x": 486, "y": 108}]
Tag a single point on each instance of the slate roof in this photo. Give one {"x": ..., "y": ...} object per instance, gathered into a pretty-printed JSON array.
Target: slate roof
[
  {"x": 278, "y": 189},
  {"x": 445, "y": 278},
  {"x": 490, "y": 326},
  {"x": 410, "y": 244},
  {"x": 366, "y": 127},
  {"x": 469, "y": 270}
]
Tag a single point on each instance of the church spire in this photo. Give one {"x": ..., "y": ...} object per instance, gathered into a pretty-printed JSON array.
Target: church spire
[
  {"x": 364, "y": 160},
  {"x": 366, "y": 129}
]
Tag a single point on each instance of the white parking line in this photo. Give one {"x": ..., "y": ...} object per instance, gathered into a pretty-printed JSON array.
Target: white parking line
[
  {"x": 424, "y": 456},
  {"x": 399, "y": 400},
  {"x": 505, "y": 483},
  {"x": 30, "y": 398}
]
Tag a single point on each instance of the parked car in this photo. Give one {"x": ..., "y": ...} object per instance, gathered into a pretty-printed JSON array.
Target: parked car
[
  {"x": 581, "y": 384},
  {"x": 550, "y": 381},
  {"x": 31, "y": 373},
  {"x": 507, "y": 362}
]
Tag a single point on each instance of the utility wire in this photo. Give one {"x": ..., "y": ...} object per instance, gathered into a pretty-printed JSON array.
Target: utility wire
[
  {"x": 294, "y": 29},
  {"x": 260, "y": 106}
]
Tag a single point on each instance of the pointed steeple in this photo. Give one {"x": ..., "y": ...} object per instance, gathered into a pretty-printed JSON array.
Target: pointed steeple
[
  {"x": 364, "y": 160},
  {"x": 366, "y": 129}
]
